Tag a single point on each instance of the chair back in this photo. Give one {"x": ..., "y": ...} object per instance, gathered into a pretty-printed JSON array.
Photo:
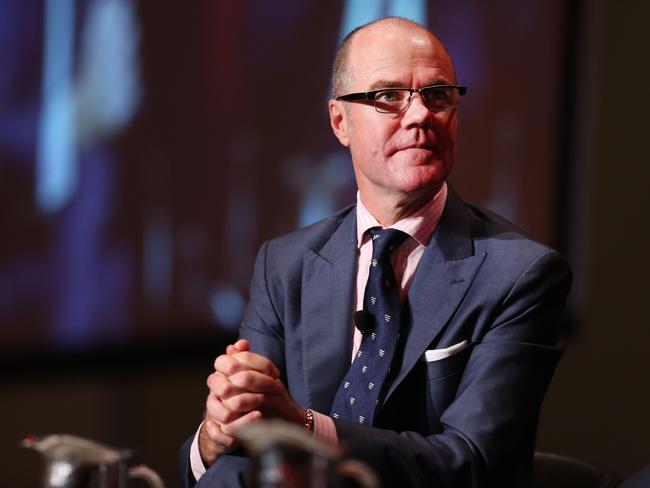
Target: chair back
[
  {"x": 555, "y": 471},
  {"x": 640, "y": 479}
]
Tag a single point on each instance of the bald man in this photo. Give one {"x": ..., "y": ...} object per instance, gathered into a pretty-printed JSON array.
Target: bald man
[{"x": 475, "y": 308}]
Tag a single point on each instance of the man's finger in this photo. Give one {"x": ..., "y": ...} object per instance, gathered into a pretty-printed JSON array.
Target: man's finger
[
  {"x": 215, "y": 433},
  {"x": 243, "y": 360},
  {"x": 221, "y": 386},
  {"x": 256, "y": 362},
  {"x": 218, "y": 411},
  {"x": 255, "y": 382},
  {"x": 228, "y": 365},
  {"x": 245, "y": 402},
  {"x": 239, "y": 346},
  {"x": 232, "y": 428},
  {"x": 213, "y": 442}
]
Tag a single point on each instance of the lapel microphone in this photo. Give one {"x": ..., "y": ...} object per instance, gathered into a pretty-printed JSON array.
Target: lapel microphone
[{"x": 364, "y": 321}]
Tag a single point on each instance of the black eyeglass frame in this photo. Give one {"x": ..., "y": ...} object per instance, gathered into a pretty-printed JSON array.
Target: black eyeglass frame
[{"x": 370, "y": 96}]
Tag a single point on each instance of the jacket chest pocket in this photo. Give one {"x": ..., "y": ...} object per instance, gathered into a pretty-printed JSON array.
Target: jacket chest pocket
[{"x": 443, "y": 378}]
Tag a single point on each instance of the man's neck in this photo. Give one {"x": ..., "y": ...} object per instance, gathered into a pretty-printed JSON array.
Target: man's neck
[{"x": 389, "y": 209}]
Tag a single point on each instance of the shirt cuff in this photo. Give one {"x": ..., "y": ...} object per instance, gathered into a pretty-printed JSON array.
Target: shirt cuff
[
  {"x": 196, "y": 463},
  {"x": 324, "y": 428}
]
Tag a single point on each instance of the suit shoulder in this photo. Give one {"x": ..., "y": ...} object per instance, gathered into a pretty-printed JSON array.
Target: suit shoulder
[
  {"x": 312, "y": 237},
  {"x": 502, "y": 239}
]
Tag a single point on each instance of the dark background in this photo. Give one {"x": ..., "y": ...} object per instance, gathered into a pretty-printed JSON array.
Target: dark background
[{"x": 115, "y": 301}]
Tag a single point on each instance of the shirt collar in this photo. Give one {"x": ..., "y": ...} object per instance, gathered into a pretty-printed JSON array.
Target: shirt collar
[{"x": 419, "y": 225}]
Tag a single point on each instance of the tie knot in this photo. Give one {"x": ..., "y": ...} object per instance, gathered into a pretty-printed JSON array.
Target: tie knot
[{"x": 385, "y": 241}]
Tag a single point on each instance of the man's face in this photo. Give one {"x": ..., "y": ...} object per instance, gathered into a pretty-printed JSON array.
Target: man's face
[{"x": 406, "y": 155}]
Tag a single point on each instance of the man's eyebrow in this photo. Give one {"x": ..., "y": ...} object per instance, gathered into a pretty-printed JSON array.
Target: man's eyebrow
[
  {"x": 438, "y": 81},
  {"x": 380, "y": 84}
]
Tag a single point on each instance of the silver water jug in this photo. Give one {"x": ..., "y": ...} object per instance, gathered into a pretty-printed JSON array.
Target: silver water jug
[
  {"x": 283, "y": 455},
  {"x": 74, "y": 462}
]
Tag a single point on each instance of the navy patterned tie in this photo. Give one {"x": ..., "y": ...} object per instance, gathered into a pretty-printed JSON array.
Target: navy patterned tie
[{"x": 360, "y": 392}]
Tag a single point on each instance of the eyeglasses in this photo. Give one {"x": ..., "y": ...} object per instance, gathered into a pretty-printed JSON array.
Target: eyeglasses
[{"x": 397, "y": 100}]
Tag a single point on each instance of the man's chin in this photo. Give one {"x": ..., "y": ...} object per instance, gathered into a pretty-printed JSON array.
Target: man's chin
[
  {"x": 416, "y": 157},
  {"x": 422, "y": 179}
]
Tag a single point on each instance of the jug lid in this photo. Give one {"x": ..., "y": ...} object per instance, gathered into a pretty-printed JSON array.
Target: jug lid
[{"x": 80, "y": 450}]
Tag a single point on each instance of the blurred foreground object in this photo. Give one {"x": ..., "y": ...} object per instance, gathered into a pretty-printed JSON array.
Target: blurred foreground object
[
  {"x": 74, "y": 462},
  {"x": 285, "y": 456}
]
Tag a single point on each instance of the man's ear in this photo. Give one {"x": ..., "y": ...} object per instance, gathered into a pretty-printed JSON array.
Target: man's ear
[{"x": 339, "y": 121}]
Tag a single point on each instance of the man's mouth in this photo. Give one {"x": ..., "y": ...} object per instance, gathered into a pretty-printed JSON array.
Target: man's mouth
[{"x": 425, "y": 147}]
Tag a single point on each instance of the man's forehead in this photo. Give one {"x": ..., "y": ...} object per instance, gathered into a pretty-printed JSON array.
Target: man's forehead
[
  {"x": 395, "y": 32},
  {"x": 395, "y": 74},
  {"x": 394, "y": 55},
  {"x": 392, "y": 69}
]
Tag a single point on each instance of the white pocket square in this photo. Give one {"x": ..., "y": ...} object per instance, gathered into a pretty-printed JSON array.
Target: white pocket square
[{"x": 438, "y": 354}]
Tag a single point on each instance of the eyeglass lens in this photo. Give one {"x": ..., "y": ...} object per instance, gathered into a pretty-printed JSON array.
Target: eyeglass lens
[{"x": 434, "y": 97}]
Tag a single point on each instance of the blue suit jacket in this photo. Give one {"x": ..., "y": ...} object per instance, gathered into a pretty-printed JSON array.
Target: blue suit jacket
[{"x": 467, "y": 420}]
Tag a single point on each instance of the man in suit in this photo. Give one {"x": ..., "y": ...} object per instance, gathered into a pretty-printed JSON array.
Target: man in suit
[{"x": 480, "y": 304}]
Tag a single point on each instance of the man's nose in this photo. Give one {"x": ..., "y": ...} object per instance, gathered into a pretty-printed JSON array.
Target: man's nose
[{"x": 417, "y": 113}]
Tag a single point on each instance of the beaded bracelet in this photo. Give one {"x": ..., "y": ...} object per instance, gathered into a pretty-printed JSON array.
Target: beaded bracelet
[{"x": 309, "y": 420}]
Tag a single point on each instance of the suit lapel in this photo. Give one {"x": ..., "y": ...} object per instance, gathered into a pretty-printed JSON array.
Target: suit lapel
[
  {"x": 326, "y": 314},
  {"x": 445, "y": 272}
]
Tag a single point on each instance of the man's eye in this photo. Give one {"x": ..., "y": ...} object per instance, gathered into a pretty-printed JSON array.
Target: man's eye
[
  {"x": 388, "y": 96},
  {"x": 437, "y": 95}
]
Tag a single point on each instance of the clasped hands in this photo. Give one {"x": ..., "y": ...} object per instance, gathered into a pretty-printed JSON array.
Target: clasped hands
[{"x": 244, "y": 389}]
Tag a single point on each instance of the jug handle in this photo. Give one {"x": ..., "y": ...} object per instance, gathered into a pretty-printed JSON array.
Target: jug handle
[
  {"x": 146, "y": 473},
  {"x": 359, "y": 472}
]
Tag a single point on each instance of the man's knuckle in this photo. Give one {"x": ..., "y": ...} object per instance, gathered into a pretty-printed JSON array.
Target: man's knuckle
[
  {"x": 229, "y": 416},
  {"x": 211, "y": 405},
  {"x": 222, "y": 389},
  {"x": 210, "y": 432},
  {"x": 236, "y": 403},
  {"x": 231, "y": 368},
  {"x": 262, "y": 400},
  {"x": 248, "y": 377},
  {"x": 219, "y": 361}
]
